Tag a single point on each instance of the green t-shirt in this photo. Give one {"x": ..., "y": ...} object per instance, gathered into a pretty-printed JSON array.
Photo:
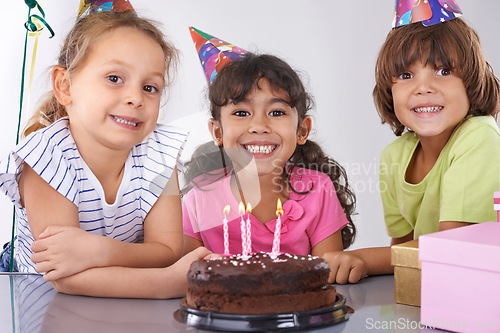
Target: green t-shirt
[{"x": 459, "y": 187}]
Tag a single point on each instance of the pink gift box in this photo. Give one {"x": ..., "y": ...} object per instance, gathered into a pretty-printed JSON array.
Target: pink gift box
[{"x": 461, "y": 278}]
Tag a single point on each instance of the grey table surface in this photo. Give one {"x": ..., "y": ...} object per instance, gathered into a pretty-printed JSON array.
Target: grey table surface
[{"x": 29, "y": 304}]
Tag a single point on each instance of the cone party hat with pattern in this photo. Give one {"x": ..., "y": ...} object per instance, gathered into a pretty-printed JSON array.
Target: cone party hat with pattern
[
  {"x": 214, "y": 53},
  {"x": 95, "y": 6},
  {"x": 428, "y": 12}
]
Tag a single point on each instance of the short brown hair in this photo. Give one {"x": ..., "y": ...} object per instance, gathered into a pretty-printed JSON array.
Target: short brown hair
[{"x": 451, "y": 44}]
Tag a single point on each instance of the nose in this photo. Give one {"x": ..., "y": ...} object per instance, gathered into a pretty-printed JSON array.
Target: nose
[
  {"x": 424, "y": 84},
  {"x": 259, "y": 124},
  {"x": 134, "y": 96}
]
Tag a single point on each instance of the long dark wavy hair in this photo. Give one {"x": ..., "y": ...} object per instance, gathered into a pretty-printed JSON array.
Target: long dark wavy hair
[{"x": 231, "y": 85}]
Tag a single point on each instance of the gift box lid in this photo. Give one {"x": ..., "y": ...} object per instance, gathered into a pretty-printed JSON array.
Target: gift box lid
[
  {"x": 475, "y": 246},
  {"x": 405, "y": 254}
]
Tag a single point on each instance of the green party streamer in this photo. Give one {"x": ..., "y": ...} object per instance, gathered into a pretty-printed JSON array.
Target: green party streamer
[{"x": 32, "y": 27}]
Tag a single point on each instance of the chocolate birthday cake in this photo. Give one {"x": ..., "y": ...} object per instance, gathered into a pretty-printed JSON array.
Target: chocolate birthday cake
[{"x": 260, "y": 284}]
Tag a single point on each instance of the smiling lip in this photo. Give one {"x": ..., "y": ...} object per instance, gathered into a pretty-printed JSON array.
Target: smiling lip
[
  {"x": 260, "y": 148},
  {"x": 428, "y": 109},
  {"x": 125, "y": 121}
]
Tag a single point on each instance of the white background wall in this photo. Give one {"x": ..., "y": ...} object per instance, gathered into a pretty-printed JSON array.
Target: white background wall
[{"x": 333, "y": 43}]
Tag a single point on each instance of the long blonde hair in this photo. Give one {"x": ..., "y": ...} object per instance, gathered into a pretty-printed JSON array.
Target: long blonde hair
[{"x": 77, "y": 46}]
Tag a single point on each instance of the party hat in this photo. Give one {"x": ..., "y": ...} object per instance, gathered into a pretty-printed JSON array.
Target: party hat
[
  {"x": 428, "y": 12},
  {"x": 94, "y": 6},
  {"x": 214, "y": 53}
]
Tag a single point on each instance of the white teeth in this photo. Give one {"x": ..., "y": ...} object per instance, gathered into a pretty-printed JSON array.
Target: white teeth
[
  {"x": 428, "y": 109},
  {"x": 124, "y": 121},
  {"x": 254, "y": 149}
]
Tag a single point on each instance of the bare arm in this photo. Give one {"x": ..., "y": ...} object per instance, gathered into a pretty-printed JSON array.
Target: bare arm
[
  {"x": 446, "y": 225},
  {"x": 352, "y": 266},
  {"x": 63, "y": 249},
  {"x": 162, "y": 235},
  {"x": 158, "y": 283},
  {"x": 190, "y": 244},
  {"x": 41, "y": 201},
  {"x": 378, "y": 259}
]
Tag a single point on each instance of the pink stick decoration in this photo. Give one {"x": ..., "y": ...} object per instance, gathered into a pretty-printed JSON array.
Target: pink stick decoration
[
  {"x": 277, "y": 230},
  {"x": 249, "y": 232},
  {"x": 243, "y": 230},
  {"x": 226, "y": 230}
]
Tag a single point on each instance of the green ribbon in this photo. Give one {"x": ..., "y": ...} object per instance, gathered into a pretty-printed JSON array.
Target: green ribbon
[{"x": 30, "y": 26}]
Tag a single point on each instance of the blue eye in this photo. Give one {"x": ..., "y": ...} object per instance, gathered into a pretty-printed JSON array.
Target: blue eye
[
  {"x": 114, "y": 78},
  {"x": 405, "y": 76}
]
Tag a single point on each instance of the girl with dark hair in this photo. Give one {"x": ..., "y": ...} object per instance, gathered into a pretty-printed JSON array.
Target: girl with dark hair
[{"x": 260, "y": 125}]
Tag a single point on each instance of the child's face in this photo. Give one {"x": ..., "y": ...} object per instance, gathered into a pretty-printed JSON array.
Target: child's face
[
  {"x": 263, "y": 126},
  {"x": 114, "y": 97},
  {"x": 430, "y": 102}
]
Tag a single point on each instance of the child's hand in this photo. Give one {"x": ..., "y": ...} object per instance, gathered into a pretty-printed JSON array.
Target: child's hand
[
  {"x": 197, "y": 254},
  {"x": 181, "y": 267},
  {"x": 213, "y": 256},
  {"x": 62, "y": 251},
  {"x": 345, "y": 267}
]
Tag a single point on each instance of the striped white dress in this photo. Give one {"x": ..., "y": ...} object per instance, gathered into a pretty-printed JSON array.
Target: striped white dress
[{"x": 53, "y": 154}]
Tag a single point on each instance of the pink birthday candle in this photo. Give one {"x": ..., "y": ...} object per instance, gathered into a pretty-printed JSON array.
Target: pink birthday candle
[
  {"x": 249, "y": 232},
  {"x": 241, "y": 210},
  {"x": 277, "y": 230},
  {"x": 226, "y": 230}
]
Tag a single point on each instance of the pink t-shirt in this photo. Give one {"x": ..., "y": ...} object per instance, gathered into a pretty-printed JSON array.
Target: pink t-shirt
[{"x": 307, "y": 219}]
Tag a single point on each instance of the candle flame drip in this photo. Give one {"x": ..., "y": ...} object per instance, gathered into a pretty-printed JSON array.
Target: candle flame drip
[
  {"x": 241, "y": 208},
  {"x": 227, "y": 209},
  {"x": 249, "y": 208},
  {"x": 279, "y": 209}
]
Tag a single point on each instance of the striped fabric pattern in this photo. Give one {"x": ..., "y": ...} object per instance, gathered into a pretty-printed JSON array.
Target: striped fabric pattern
[{"x": 53, "y": 154}]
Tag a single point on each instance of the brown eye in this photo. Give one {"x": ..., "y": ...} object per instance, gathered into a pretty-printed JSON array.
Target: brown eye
[
  {"x": 241, "y": 113},
  {"x": 444, "y": 71},
  {"x": 150, "y": 89},
  {"x": 114, "y": 78},
  {"x": 276, "y": 113},
  {"x": 405, "y": 76}
]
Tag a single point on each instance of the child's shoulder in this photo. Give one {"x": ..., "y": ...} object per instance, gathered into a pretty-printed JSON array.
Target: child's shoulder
[
  {"x": 55, "y": 136},
  {"x": 215, "y": 180},
  {"x": 481, "y": 124},
  {"x": 478, "y": 132},
  {"x": 169, "y": 132},
  {"x": 59, "y": 128}
]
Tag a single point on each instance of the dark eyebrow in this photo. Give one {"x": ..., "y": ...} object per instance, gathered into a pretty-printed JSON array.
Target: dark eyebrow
[
  {"x": 243, "y": 100},
  {"x": 271, "y": 101},
  {"x": 279, "y": 100}
]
